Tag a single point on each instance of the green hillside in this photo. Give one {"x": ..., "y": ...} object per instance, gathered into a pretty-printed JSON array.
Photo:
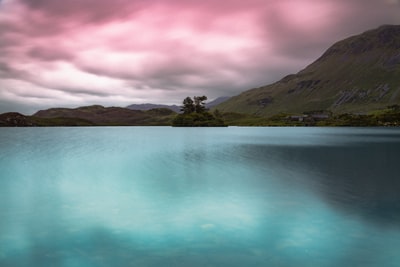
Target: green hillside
[
  {"x": 97, "y": 115},
  {"x": 357, "y": 75}
]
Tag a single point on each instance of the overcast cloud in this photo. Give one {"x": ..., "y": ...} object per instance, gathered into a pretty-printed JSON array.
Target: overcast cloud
[{"x": 115, "y": 53}]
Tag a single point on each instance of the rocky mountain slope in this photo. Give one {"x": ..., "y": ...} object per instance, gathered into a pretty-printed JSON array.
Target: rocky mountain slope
[{"x": 356, "y": 75}]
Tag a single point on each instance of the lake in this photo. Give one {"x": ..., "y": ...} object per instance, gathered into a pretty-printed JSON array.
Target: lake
[{"x": 236, "y": 196}]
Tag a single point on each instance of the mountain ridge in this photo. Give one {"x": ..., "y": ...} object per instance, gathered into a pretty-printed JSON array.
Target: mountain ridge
[{"x": 357, "y": 75}]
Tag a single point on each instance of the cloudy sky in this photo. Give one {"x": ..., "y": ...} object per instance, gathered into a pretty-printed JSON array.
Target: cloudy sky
[{"x": 72, "y": 53}]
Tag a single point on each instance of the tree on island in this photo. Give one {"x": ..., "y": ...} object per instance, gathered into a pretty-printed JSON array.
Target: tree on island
[
  {"x": 195, "y": 114},
  {"x": 199, "y": 104},
  {"x": 188, "y": 106}
]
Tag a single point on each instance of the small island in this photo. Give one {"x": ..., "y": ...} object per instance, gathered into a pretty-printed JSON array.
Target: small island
[{"x": 195, "y": 114}]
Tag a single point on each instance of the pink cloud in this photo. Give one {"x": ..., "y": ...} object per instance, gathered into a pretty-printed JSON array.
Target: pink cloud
[{"x": 123, "y": 51}]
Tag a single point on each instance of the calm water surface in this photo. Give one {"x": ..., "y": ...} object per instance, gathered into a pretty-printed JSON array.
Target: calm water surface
[{"x": 160, "y": 196}]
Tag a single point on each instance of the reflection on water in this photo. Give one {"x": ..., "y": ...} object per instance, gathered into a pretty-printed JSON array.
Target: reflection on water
[
  {"x": 358, "y": 178},
  {"x": 139, "y": 196}
]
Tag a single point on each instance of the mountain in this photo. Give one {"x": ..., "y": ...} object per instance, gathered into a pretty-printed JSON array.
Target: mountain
[
  {"x": 356, "y": 75},
  {"x": 149, "y": 106}
]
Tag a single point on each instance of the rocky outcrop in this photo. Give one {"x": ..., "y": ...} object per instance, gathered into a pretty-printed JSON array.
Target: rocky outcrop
[{"x": 14, "y": 119}]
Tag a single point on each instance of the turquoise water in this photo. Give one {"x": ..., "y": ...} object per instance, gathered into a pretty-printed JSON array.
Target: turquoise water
[{"x": 160, "y": 196}]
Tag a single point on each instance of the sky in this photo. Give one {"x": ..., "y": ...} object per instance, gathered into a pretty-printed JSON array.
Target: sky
[{"x": 120, "y": 52}]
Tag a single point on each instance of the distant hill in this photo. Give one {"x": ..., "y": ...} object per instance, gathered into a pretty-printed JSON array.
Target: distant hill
[
  {"x": 149, "y": 106},
  {"x": 356, "y": 75},
  {"x": 95, "y": 115},
  {"x": 14, "y": 119},
  {"x": 174, "y": 108}
]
